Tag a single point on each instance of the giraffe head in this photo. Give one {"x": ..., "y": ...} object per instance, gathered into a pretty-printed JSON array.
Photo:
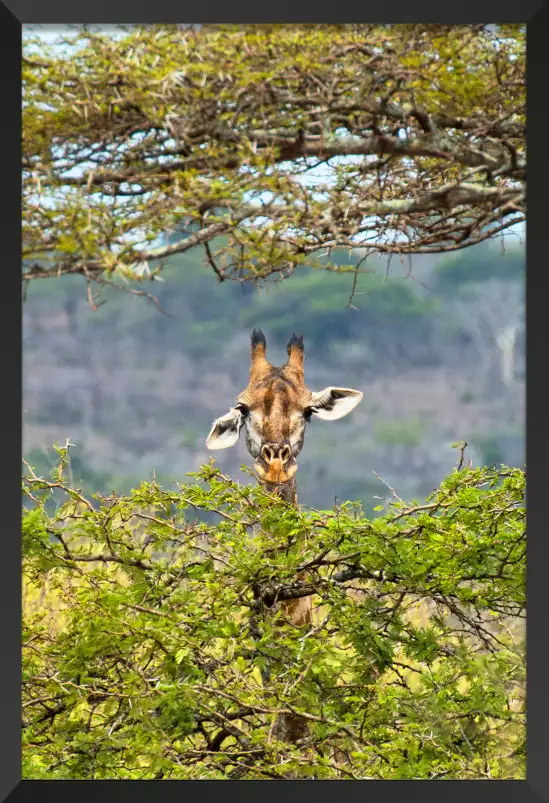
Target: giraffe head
[{"x": 274, "y": 410}]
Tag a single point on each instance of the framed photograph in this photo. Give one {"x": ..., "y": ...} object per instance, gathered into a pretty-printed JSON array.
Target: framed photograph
[{"x": 273, "y": 376}]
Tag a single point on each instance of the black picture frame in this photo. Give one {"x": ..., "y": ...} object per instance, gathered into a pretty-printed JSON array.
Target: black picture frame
[{"x": 15, "y": 13}]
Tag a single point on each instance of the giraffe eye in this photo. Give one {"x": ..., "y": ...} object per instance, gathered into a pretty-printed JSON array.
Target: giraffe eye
[{"x": 243, "y": 409}]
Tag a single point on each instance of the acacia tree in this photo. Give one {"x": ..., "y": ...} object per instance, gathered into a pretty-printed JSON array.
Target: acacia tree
[
  {"x": 154, "y": 646},
  {"x": 268, "y": 146}
]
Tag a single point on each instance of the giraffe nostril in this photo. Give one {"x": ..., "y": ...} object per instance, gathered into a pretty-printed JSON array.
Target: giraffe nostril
[
  {"x": 272, "y": 451},
  {"x": 285, "y": 453}
]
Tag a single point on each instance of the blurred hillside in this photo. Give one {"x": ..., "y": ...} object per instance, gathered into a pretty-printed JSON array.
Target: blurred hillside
[{"x": 436, "y": 345}]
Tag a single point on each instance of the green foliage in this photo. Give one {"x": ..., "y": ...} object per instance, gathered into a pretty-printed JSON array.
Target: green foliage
[
  {"x": 216, "y": 131},
  {"x": 155, "y": 645}
]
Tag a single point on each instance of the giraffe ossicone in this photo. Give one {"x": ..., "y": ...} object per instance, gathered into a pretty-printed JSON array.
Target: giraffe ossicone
[{"x": 274, "y": 410}]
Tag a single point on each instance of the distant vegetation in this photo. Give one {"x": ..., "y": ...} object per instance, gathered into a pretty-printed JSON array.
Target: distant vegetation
[{"x": 136, "y": 390}]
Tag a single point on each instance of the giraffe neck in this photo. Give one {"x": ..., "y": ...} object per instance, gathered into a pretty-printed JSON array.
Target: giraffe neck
[
  {"x": 299, "y": 611},
  {"x": 287, "y": 490},
  {"x": 288, "y": 727}
]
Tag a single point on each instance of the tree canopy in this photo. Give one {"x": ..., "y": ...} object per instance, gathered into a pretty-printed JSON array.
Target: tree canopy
[
  {"x": 268, "y": 146},
  {"x": 154, "y": 646}
]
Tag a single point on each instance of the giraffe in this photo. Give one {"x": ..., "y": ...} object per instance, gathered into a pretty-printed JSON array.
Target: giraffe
[{"x": 274, "y": 410}]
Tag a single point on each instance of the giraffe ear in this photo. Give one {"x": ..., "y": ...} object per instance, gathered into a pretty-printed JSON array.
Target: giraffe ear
[
  {"x": 225, "y": 430},
  {"x": 333, "y": 403}
]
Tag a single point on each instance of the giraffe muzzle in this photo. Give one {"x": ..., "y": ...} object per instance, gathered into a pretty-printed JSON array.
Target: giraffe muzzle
[{"x": 276, "y": 464}]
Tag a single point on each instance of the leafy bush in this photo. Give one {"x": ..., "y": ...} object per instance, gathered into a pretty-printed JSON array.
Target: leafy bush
[{"x": 155, "y": 645}]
